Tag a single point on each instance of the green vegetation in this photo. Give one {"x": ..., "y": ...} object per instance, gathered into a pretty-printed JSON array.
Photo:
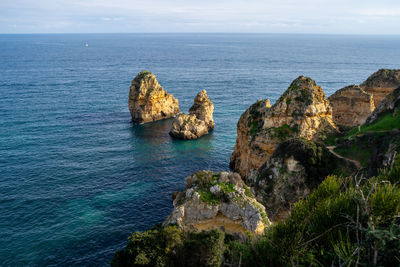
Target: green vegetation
[
  {"x": 356, "y": 151},
  {"x": 207, "y": 180},
  {"x": 284, "y": 132},
  {"x": 344, "y": 222},
  {"x": 387, "y": 122},
  {"x": 170, "y": 246},
  {"x": 254, "y": 129},
  {"x": 142, "y": 74}
]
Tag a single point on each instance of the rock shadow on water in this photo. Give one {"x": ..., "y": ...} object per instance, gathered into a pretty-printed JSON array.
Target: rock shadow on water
[
  {"x": 155, "y": 133},
  {"x": 202, "y": 144}
]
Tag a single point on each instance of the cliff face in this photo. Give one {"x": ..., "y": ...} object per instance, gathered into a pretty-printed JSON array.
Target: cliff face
[
  {"x": 296, "y": 167},
  {"x": 148, "y": 101},
  {"x": 381, "y": 83},
  {"x": 198, "y": 122},
  {"x": 391, "y": 104},
  {"x": 217, "y": 200},
  {"x": 302, "y": 111},
  {"x": 351, "y": 106}
]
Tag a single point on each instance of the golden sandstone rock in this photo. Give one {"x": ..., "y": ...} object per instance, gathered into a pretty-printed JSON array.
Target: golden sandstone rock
[
  {"x": 302, "y": 111},
  {"x": 381, "y": 83},
  {"x": 351, "y": 106},
  {"x": 148, "y": 101},
  {"x": 198, "y": 122}
]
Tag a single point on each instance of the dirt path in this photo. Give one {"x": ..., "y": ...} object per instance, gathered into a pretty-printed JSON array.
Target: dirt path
[{"x": 356, "y": 162}]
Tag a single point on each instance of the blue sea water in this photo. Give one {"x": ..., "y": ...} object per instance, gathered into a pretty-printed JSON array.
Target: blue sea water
[{"x": 77, "y": 177}]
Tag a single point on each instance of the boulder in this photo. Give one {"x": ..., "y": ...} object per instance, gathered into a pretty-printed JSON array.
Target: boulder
[
  {"x": 218, "y": 200},
  {"x": 351, "y": 106},
  {"x": 199, "y": 121},
  {"x": 302, "y": 111},
  {"x": 148, "y": 101},
  {"x": 381, "y": 83}
]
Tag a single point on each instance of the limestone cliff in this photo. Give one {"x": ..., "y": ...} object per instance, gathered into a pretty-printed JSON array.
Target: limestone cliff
[
  {"x": 381, "y": 83},
  {"x": 198, "y": 122},
  {"x": 148, "y": 101},
  {"x": 390, "y": 104},
  {"x": 217, "y": 200},
  {"x": 302, "y": 111},
  {"x": 296, "y": 167},
  {"x": 351, "y": 106}
]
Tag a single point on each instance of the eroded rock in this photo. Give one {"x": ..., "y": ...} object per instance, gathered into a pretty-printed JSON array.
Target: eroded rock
[
  {"x": 351, "y": 106},
  {"x": 218, "y": 200},
  {"x": 148, "y": 101},
  {"x": 381, "y": 83},
  {"x": 302, "y": 111},
  {"x": 199, "y": 121}
]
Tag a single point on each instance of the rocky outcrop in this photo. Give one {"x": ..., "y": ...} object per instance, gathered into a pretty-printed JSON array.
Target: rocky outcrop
[
  {"x": 296, "y": 167},
  {"x": 198, "y": 122},
  {"x": 302, "y": 111},
  {"x": 351, "y": 106},
  {"x": 381, "y": 83},
  {"x": 391, "y": 104},
  {"x": 217, "y": 200},
  {"x": 148, "y": 101}
]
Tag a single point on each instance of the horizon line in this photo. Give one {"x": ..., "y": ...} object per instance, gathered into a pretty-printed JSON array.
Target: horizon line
[{"x": 249, "y": 33}]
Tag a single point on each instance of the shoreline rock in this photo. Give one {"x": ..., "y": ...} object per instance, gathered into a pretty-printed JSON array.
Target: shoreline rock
[
  {"x": 218, "y": 200},
  {"x": 148, "y": 101},
  {"x": 302, "y": 111},
  {"x": 199, "y": 121}
]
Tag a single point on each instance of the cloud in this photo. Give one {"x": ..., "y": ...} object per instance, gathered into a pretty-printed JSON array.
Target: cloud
[
  {"x": 379, "y": 12},
  {"x": 307, "y": 16}
]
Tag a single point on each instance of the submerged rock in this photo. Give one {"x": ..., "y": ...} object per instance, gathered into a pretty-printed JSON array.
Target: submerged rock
[
  {"x": 148, "y": 101},
  {"x": 296, "y": 167},
  {"x": 351, "y": 106},
  {"x": 381, "y": 83},
  {"x": 198, "y": 122},
  {"x": 217, "y": 200},
  {"x": 302, "y": 111}
]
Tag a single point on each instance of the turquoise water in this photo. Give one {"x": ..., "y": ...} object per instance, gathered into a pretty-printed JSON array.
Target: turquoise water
[{"x": 77, "y": 177}]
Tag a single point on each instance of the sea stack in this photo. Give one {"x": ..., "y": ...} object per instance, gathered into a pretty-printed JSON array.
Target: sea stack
[
  {"x": 148, "y": 101},
  {"x": 199, "y": 121},
  {"x": 218, "y": 200},
  {"x": 302, "y": 111},
  {"x": 381, "y": 83},
  {"x": 351, "y": 106}
]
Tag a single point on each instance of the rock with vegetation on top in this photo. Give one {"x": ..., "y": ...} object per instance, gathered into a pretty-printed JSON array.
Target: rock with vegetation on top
[
  {"x": 391, "y": 104},
  {"x": 381, "y": 83},
  {"x": 148, "y": 101},
  {"x": 351, "y": 106},
  {"x": 198, "y": 122},
  {"x": 218, "y": 200},
  {"x": 302, "y": 111},
  {"x": 296, "y": 168}
]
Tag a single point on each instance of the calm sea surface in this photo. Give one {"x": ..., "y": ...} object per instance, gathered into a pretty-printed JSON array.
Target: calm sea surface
[{"x": 77, "y": 177}]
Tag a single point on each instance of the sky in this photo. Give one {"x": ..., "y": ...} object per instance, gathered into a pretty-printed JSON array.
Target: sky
[{"x": 251, "y": 16}]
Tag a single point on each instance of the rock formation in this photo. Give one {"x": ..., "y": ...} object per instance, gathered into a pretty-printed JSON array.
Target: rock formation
[
  {"x": 302, "y": 111},
  {"x": 390, "y": 104},
  {"x": 217, "y": 200},
  {"x": 148, "y": 101},
  {"x": 296, "y": 167},
  {"x": 198, "y": 122},
  {"x": 381, "y": 83},
  {"x": 351, "y": 106}
]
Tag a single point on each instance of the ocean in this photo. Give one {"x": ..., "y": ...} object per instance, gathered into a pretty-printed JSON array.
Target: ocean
[{"x": 77, "y": 177}]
